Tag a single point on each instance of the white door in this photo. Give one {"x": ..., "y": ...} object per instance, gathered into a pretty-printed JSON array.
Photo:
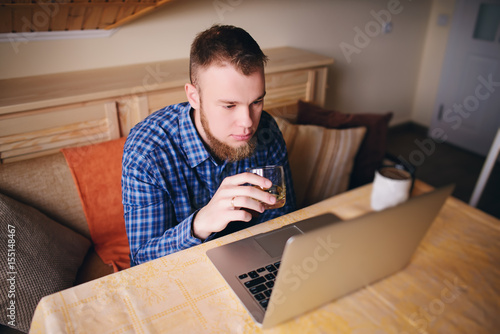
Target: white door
[{"x": 467, "y": 110}]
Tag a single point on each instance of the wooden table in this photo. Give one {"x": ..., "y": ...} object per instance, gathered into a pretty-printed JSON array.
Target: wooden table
[{"x": 452, "y": 285}]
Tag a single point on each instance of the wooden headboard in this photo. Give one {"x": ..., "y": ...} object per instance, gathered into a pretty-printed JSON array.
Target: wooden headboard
[{"x": 39, "y": 115}]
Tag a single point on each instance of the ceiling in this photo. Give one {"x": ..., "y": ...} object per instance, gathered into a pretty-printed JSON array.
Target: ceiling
[{"x": 21, "y": 16}]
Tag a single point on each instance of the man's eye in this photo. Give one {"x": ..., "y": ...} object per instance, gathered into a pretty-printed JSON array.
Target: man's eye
[
  {"x": 257, "y": 102},
  {"x": 229, "y": 106}
]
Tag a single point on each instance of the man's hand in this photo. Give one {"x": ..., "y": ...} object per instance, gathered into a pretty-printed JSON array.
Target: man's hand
[{"x": 225, "y": 205}]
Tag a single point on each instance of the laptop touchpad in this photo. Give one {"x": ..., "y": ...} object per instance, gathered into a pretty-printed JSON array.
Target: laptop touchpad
[{"x": 274, "y": 242}]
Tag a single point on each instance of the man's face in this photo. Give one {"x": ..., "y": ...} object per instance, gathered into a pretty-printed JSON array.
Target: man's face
[{"x": 229, "y": 110}]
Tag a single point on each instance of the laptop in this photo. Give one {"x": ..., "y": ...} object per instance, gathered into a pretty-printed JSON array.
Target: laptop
[{"x": 287, "y": 272}]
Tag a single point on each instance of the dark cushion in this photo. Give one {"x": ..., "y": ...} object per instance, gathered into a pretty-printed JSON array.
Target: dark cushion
[
  {"x": 38, "y": 257},
  {"x": 372, "y": 149}
]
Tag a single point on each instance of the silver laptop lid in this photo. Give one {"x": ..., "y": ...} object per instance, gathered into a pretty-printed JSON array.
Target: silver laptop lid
[{"x": 330, "y": 262}]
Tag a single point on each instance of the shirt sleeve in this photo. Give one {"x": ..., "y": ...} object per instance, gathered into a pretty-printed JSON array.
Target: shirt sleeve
[{"x": 150, "y": 221}]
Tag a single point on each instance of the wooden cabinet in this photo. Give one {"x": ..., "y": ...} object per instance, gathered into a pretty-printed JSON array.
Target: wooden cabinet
[
  {"x": 44, "y": 131},
  {"x": 39, "y": 115}
]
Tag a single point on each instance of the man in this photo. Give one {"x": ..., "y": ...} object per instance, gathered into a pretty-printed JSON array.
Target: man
[{"x": 183, "y": 176}]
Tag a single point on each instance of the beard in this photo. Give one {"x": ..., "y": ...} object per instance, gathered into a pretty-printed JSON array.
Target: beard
[{"x": 222, "y": 150}]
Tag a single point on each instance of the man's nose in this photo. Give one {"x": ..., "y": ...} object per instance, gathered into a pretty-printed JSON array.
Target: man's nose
[{"x": 245, "y": 117}]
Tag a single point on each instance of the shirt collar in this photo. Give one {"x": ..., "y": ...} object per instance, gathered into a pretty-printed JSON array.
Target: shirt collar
[{"x": 192, "y": 145}]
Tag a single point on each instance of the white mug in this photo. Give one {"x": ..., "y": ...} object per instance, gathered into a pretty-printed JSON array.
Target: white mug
[{"x": 391, "y": 187}]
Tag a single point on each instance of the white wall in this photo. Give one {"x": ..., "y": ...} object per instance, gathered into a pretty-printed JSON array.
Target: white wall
[
  {"x": 432, "y": 62},
  {"x": 382, "y": 76}
]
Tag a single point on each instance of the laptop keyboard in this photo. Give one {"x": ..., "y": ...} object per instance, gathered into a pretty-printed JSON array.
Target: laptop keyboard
[{"x": 260, "y": 282}]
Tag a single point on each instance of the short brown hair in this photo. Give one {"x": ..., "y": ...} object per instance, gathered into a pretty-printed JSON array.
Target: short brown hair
[{"x": 224, "y": 43}]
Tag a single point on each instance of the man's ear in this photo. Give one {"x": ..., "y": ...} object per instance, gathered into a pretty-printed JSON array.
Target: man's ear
[{"x": 193, "y": 96}]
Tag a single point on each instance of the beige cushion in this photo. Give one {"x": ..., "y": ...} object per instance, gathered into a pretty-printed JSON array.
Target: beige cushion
[
  {"x": 321, "y": 159},
  {"x": 46, "y": 184},
  {"x": 38, "y": 257}
]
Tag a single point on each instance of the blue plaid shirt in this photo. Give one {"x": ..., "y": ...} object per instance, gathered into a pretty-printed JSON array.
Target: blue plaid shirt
[{"x": 168, "y": 175}]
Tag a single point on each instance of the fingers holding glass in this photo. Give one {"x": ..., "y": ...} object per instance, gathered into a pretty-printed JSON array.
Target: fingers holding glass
[{"x": 278, "y": 189}]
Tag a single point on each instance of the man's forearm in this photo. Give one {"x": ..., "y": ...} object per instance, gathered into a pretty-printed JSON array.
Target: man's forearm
[{"x": 159, "y": 242}]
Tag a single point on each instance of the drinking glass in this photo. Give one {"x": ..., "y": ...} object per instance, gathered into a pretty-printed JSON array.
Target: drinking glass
[{"x": 276, "y": 175}]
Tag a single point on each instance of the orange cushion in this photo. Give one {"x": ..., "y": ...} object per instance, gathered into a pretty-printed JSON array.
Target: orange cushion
[{"x": 96, "y": 171}]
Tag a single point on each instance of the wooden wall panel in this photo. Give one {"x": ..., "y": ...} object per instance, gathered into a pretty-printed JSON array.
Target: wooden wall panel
[
  {"x": 44, "y": 15},
  {"x": 6, "y": 20},
  {"x": 127, "y": 9},
  {"x": 108, "y": 16},
  {"x": 40, "y": 18},
  {"x": 93, "y": 15},
  {"x": 32, "y": 133},
  {"x": 160, "y": 99},
  {"x": 59, "y": 18},
  {"x": 21, "y": 18},
  {"x": 131, "y": 110},
  {"x": 76, "y": 16}
]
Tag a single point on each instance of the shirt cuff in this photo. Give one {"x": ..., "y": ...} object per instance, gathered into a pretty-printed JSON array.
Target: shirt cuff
[
  {"x": 191, "y": 219},
  {"x": 189, "y": 238}
]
